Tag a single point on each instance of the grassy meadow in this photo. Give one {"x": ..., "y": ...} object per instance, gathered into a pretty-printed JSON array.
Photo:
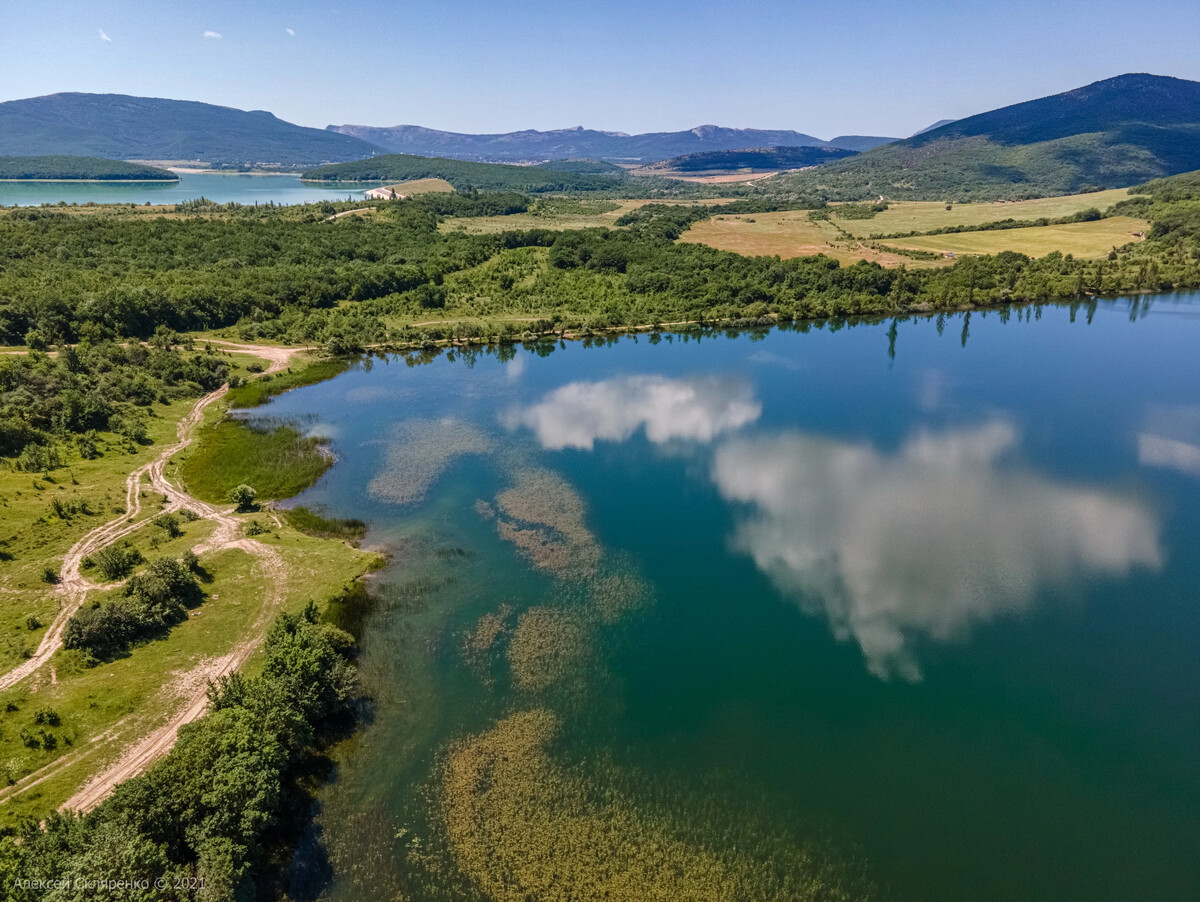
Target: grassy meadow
[
  {"x": 68, "y": 721},
  {"x": 420, "y": 186},
  {"x": 788, "y": 233},
  {"x": 1083, "y": 239},
  {"x": 921, "y": 216}
]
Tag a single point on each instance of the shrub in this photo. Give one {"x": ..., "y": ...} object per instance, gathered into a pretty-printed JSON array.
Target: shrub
[
  {"x": 38, "y": 459},
  {"x": 168, "y": 523},
  {"x": 117, "y": 561},
  {"x": 152, "y": 602},
  {"x": 242, "y": 497}
]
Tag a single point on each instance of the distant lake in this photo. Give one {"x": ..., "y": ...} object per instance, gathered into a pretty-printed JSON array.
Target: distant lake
[
  {"x": 220, "y": 187},
  {"x": 912, "y": 604}
]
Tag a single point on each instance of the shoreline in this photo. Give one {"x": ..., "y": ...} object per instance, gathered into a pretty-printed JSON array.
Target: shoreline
[{"x": 90, "y": 181}]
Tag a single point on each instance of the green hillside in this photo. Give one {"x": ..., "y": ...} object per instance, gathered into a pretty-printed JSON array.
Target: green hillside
[
  {"x": 68, "y": 167},
  {"x": 756, "y": 158},
  {"x": 464, "y": 175},
  {"x": 1106, "y": 135},
  {"x": 590, "y": 167},
  {"x": 121, "y": 127}
]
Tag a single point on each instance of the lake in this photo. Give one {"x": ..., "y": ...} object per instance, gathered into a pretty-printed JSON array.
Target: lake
[
  {"x": 896, "y": 611},
  {"x": 222, "y": 188}
]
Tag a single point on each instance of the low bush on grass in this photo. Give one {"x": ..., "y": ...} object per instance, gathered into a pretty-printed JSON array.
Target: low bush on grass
[{"x": 152, "y": 602}]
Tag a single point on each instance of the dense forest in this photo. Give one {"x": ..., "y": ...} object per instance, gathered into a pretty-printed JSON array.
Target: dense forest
[
  {"x": 216, "y": 817},
  {"x": 93, "y": 285},
  {"x": 68, "y": 167},
  {"x": 758, "y": 158}
]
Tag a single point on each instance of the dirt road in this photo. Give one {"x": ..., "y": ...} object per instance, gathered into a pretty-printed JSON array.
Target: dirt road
[{"x": 74, "y": 588}]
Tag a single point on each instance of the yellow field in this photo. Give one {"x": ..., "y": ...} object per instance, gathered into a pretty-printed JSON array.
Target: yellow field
[
  {"x": 921, "y": 216},
  {"x": 519, "y": 221},
  {"x": 1083, "y": 239},
  {"x": 787, "y": 234}
]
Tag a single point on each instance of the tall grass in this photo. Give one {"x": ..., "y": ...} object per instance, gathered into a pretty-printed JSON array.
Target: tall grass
[
  {"x": 277, "y": 461},
  {"x": 257, "y": 391}
]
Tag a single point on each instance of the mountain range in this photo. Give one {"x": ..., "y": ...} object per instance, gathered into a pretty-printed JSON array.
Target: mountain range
[
  {"x": 1109, "y": 134},
  {"x": 1112, "y": 133},
  {"x": 118, "y": 126},
  {"x": 572, "y": 143}
]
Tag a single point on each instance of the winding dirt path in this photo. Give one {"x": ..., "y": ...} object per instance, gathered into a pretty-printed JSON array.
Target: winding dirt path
[{"x": 74, "y": 588}]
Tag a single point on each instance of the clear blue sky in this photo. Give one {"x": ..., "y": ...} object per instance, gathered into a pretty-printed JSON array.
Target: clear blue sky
[{"x": 825, "y": 68}]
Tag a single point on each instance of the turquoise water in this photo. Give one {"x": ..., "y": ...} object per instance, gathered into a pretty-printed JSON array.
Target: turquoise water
[
  {"x": 219, "y": 187},
  {"x": 926, "y": 598}
]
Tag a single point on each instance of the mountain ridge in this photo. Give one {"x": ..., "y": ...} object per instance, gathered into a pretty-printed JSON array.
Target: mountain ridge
[
  {"x": 126, "y": 127},
  {"x": 1109, "y": 134},
  {"x": 533, "y": 145}
]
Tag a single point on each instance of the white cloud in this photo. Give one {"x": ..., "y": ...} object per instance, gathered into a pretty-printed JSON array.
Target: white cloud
[
  {"x": 1169, "y": 453},
  {"x": 925, "y": 543},
  {"x": 581, "y": 413},
  {"x": 290, "y": 32},
  {"x": 104, "y": 37},
  {"x": 213, "y": 34}
]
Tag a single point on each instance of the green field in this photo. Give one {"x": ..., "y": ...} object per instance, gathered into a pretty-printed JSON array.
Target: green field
[
  {"x": 1083, "y": 239},
  {"x": 922, "y": 216},
  {"x": 123, "y": 700}
]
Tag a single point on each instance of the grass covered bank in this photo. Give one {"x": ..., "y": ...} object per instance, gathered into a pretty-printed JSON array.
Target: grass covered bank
[
  {"x": 277, "y": 461},
  {"x": 215, "y": 818}
]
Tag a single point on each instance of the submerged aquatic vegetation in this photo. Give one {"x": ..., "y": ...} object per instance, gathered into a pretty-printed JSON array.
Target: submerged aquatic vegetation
[
  {"x": 548, "y": 645},
  {"x": 419, "y": 452},
  {"x": 542, "y": 515},
  {"x": 522, "y": 826}
]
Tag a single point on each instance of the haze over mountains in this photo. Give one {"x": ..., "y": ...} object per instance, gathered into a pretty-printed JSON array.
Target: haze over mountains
[{"x": 573, "y": 143}]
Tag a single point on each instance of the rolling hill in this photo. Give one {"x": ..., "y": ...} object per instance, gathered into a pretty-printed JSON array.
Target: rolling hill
[
  {"x": 464, "y": 175},
  {"x": 1105, "y": 135},
  {"x": 571, "y": 143},
  {"x": 763, "y": 158},
  {"x": 118, "y": 126},
  {"x": 58, "y": 166}
]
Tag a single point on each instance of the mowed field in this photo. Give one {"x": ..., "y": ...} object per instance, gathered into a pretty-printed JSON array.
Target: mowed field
[
  {"x": 1083, "y": 239},
  {"x": 603, "y": 215},
  {"x": 920, "y": 216},
  {"x": 420, "y": 186},
  {"x": 788, "y": 234},
  {"x": 793, "y": 234}
]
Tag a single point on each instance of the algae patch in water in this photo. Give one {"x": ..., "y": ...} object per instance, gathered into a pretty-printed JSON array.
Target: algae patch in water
[
  {"x": 542, "y": 515},
  {"x": 522, "y": 826},
  {"x": 419, "y": 452},
  {"x": 548, "y": 646}
]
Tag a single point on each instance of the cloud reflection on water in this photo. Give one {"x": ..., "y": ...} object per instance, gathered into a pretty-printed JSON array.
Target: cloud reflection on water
[
  {"x": 1170, "y": 439},
  {"x": 579, "y": 414},
  {"x": 926, "y": 542}
]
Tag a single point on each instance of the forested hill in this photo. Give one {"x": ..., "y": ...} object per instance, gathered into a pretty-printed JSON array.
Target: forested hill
[
  {"x": 67, "y": 167},
  {"x": 1105, "y": 135},
  {"x": 464, "y": 175},
  {"x": 570, "y": 143},
  {"x": 758, "y": 158},
  {"x": 121, "y": 127}
]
